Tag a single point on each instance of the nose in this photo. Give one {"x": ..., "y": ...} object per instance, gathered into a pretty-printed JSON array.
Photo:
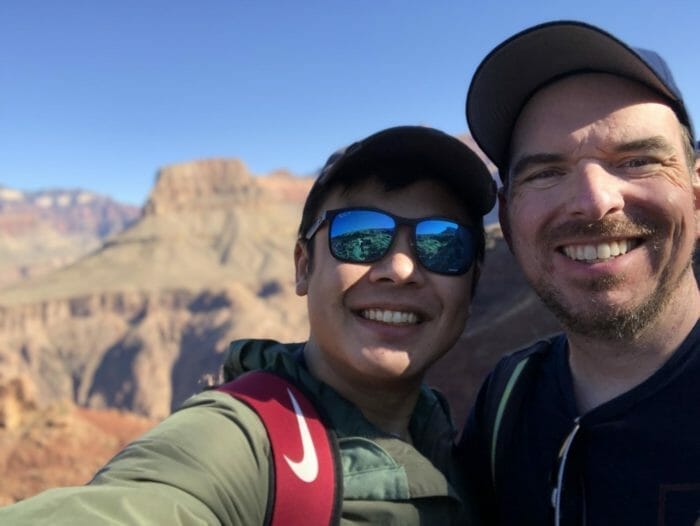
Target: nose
[
  {"x": 399, "y": 265},
  {"x": 595, "y": 191}
]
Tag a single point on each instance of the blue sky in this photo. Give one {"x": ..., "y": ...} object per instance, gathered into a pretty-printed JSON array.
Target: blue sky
[{"x": 100, "y": 94}]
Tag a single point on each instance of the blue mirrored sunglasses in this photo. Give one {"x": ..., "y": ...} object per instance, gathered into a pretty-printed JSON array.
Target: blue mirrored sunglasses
[{"x": 365, "y": 235}]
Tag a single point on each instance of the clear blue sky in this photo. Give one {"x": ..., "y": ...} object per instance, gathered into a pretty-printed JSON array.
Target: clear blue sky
[{"x": 100, "y": 94}]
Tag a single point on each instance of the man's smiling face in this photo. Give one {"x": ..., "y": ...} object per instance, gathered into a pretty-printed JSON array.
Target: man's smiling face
[
  {"x": 385, "y": 321},
  {"x": 600, "y": 206}
]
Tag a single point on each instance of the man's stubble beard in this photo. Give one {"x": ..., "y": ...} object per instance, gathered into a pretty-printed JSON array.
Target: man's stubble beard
[{"x": 612, "y": 323}]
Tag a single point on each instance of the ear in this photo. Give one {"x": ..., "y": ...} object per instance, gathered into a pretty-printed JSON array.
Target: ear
[
  {"x": 301, "y": 268},
  {"x": 503, "y": 215}
]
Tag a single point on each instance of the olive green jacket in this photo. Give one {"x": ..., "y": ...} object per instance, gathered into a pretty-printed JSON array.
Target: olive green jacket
[{"x": 209, "y": 463}]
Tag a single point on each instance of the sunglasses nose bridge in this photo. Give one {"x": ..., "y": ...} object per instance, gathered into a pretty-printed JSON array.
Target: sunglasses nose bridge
[
  {"x": 405, "y": 240},
  {"x": 400, "y": 262}
]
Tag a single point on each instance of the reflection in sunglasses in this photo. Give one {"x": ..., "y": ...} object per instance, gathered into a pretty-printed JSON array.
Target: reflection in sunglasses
[{"x": 365, "y": 235}]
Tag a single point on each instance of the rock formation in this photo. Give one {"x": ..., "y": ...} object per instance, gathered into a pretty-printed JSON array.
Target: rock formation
[
  {"x": 42, "y": 231},
  {"x": 57, "y": 445},
  {"x": 136, "y": 323}
]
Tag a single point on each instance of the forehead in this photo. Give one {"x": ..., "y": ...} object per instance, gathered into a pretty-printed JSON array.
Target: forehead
[
  {"x": 428, "y": 197},
  {"x": 588, "y": 105}
]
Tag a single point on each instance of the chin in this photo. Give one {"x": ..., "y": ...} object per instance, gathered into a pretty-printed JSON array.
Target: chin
[{"x": 387, "y": 363}]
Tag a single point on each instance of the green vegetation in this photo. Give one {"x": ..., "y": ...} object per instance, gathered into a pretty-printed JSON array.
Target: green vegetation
[
  {"x": 363, "y": 245},
  {"x": 444, "y": 250}
]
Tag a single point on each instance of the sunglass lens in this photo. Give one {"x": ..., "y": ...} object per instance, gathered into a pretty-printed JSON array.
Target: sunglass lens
[
  {"x": 361, "y": 236},
  {"x": 444, "y": 246}
]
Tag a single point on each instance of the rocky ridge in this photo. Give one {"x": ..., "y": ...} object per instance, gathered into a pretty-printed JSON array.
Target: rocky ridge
[
  {"x": 42, "y": 231},
  {"x": 136, "y": 323}
]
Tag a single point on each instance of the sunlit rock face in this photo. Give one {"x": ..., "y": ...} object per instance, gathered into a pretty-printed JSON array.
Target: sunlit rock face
[{"x": 138, "y": 321}]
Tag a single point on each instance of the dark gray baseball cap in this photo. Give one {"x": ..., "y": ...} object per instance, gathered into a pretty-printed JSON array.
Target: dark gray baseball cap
[
  {"x": 510, "y": 75},
  {"x": 415, "y": 147}
]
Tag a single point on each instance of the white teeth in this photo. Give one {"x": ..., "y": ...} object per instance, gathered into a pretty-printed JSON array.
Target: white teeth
[
  {"x": 590, "y": 252},
  {"x": 390, "y": 316},
  {"x": 601, "y": 251},
  {"x": 615, "y": 247}
]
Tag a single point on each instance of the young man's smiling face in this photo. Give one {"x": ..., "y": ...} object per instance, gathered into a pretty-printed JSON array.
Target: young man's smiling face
[
  {"x": 425, "y": 311},
  {"x": 600, "y": 206}
]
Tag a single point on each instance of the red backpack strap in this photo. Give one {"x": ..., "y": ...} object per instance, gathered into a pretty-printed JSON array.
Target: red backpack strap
[{"x": 306, "y": 487}]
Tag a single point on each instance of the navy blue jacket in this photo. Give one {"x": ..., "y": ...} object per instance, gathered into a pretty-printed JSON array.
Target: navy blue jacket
[{"x": 633, "y": 460}]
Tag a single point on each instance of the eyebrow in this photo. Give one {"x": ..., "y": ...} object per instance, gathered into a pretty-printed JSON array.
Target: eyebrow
[
  {"x": 536, "y": 158},
  {"x": 655, "y": 143},
  {"x": 658, "y": 143}
]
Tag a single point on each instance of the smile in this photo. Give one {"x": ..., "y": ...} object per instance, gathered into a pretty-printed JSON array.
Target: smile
[
  {"x": 390, "y": 316},
  {"x": 600, "y": 251}
]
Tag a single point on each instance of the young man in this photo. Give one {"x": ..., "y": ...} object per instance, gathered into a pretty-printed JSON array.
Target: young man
[
  {"x": 595, "y": 149},
  {"x": 388, "y": 255}
]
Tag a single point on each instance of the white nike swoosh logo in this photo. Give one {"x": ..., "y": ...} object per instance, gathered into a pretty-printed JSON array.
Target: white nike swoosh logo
[{"x": 307, "y": 468}]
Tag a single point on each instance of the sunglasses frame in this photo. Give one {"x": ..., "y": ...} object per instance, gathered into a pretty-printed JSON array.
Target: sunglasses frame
[{"x": 329, "y": 215}]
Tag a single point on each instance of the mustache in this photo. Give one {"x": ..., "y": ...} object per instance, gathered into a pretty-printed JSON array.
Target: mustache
[{"x": 622, "y": 227}]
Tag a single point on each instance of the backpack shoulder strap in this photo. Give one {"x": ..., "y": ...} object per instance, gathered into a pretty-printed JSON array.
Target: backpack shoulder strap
[
  {"x": 307, "y": 487},
  {"x": 506, "y": 390}
]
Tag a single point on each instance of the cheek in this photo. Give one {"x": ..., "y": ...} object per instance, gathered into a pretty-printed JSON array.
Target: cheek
[
  {"x": 455, "y": 322},
  {"x": 523, "y": 218},
  {"x": 680, "y": 209},
  {"x": 332, "y": 280},
  {"x": 348, "y": 275},
  {"x": 457, "y": 299}
]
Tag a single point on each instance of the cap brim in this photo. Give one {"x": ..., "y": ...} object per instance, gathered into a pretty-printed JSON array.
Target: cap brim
[{"x": 512, "y": 72}]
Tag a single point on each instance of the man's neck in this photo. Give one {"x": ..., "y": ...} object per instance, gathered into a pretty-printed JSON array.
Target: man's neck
[
  {"x": 387, "y": 404},
  {"x": 604, "y": 369},
  {"x": 390, "y": 412}
]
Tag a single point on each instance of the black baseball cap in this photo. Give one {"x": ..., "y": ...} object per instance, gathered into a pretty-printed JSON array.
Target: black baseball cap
[
  {"x": 510, "y": 75},
  {"x": 416, "y": 148}
]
